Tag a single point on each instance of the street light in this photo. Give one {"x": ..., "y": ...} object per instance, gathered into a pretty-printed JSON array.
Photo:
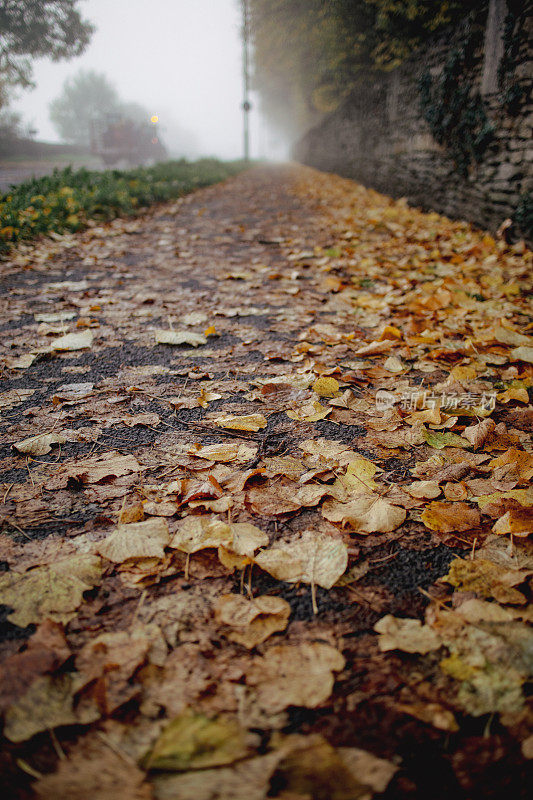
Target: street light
[
  {"x": 246, "y": 105},
  {"x": 154, "y": 120}
]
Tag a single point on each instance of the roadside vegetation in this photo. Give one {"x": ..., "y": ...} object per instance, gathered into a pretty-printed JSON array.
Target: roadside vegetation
[{"x": 65, "y": 200}]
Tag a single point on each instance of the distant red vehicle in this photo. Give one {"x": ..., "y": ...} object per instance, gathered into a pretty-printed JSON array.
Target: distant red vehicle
[{"x": 115, "y": 138}]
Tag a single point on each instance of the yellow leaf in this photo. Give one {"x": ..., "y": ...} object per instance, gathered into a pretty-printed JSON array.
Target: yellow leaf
[
  {"x": 193, "y": 741},
  {"x": 49, "y": 592},
  {"x": 447, "y": 517},
  {"x": 326, "y": 387},
  {"x": 249, "y": 422}
]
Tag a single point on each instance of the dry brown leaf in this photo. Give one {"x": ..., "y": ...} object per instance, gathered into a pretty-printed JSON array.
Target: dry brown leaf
[
  {"x": 179, "y": 337},
  {"x": 478, "y": 434},
  {"x": 408, "y": 635},
  {"x": 514, "y": 464},
  {"x": 423, "y": 489},
  {"x": 273, "y": 499},
  {"x": 251, "y": 621},
  {"x": 47, "y": 650},
  {"x": 312, "y": 411},
  {"x": 314, "y": 558},
  {"x": 94, "y": 769},
  {"x": 39, "y": 445},
  {"x": 138, "y": 540},
  {"x": 447, "y": 517},
  {"x": 486, "y": 579},
  {"x": 367, "y": 513},
  {"x": 49, "y": 592},
  {"x": 48, "y": 703},
  {"x": 73, "y": 341},
  {"x": 224, "y": 452},
  {"x": 294, "y": 675},
  {"x": 517, "y": 521},
  {"x": 200, "y": 533},
  {"x": 95, "y": 469}
]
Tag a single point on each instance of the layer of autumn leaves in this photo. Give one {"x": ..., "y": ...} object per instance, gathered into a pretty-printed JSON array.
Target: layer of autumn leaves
[{"x": 404, "y": 303}]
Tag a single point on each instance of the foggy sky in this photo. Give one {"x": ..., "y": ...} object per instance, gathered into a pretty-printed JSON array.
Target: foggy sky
[{"x": 179, "y": 58}]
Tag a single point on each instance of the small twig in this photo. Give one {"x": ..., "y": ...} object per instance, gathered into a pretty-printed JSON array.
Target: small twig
[
  {"x": 29, "y": 770},
  {"x": 7, "y": 492},
  {"x": 57, "y": 747},
  {"x": 112, "y": 746}
]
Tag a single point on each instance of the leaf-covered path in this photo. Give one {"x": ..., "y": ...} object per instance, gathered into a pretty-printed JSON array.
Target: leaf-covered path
[{"x": 265, "y": 466}]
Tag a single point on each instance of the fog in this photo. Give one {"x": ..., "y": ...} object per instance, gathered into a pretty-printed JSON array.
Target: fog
[{"x": 181, "y": 59}]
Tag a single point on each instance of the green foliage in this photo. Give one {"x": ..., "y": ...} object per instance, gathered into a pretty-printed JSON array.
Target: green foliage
[
  {"x": 453, "y": 109},
  {"x": 36, "y": 29},
  {"x": 309, "y": 54},
  {"x": 85, "y": 96},
  {"x": 511, "y": 92},
  {"x": 65, "y": 200},
  {"x": 523, "y": 216}
]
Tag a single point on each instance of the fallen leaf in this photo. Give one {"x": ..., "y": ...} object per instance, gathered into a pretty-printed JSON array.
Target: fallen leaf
[
  {"x": 294, "y": 675},
  {"x": 73, "y": 341},
  {"x": 518, "y": 522},
  {"x": 447, "y": 517},
  {"x": 514, "y": 464},
  {"x": 312, "y": 411},
  {"x": 39, "y": 445},
  {"x": 252, "y": 621},
  {"x": 250, "y": 422},
  {"x": 440, "y": 439},
  {"x": 94, "y": 769},
  {"x": 48, "y": 703},
  {"x": 200, "y": 533},
  {"x": 179, "y": 337},
  {"x": 46, "y": 651},
  {"x": 423, "y": 489},
  {"x": 409, "y": 635},
  {"x": 49, "y": 592},
  {"x": 522, "y": 353},
  {"x": 224, "y": 452},
  {"x": 314, "y": 558},
  {"x": 193, "y": 741},
  {"x": 367, "y": 513},
  {"x": 326, "y": 387},
  {"x": 478, "y": 434},
  {"x": 95, "y": 469},
  {"x": 486, "y": 579},
  {"x": 137, "y": 540}
]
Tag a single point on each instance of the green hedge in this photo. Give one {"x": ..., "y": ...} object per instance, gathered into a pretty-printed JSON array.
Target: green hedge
[{"x": 66, "y": 199}]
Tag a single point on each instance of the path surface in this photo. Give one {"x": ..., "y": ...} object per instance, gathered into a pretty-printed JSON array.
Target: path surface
[{"x": 209, "y": 530}]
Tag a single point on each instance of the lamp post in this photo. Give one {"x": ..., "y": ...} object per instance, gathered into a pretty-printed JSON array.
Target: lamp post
[
  {"x": 154, "y": 120},
  {"x": 246, "y": 105}
]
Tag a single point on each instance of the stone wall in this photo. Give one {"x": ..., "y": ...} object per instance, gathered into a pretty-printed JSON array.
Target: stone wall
[{"x": 381, "y": 136}]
